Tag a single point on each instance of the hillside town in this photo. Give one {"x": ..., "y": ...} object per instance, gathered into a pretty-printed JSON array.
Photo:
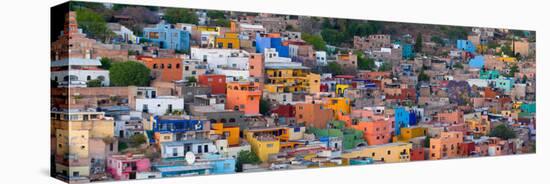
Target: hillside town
[{"x": 141, "y": 92}]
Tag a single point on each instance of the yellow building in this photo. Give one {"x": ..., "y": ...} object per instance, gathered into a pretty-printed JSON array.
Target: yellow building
[
  {"x": 341, "y": 88},
  {"x": 392, "y": 152},
  {"x": 229, "y": 133},
  {"x": 264, "y": 142},
  {"x": 408, "y": 133},
  {"x": 291, "y": 79},
  {"x": 507, "y": 59},
  {"x": 229, "y": 41},
  {"x": 340, "y": 106},
  {"x": 479, "y": 127},
  {"x": 72, "y": 132}
]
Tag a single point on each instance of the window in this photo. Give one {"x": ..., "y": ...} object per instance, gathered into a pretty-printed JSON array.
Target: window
[
  {"x": 169, "y": 66},
  {"x": 175, "y": 152},
  {"x": 178, "y": 65},
  {"x": 206, "y": 148},
  {"x": 230, "y": 45},
  {"x": 186, "y": 68},
  {"x": 269, "y": 145},
  {"x": 199, "y": 149},
  {"x": 389, "y": 152}
]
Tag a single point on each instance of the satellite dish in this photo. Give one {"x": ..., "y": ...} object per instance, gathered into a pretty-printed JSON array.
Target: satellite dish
[{"x": 190, "y": 157}]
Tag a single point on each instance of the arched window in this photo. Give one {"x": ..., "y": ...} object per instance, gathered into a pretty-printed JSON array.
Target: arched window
[
  {"x": 73, "y": 78},
  {"x": 155, "y": 66},
  {"x": 89, "y": 78},
  {"x": 169, "y": 66}
]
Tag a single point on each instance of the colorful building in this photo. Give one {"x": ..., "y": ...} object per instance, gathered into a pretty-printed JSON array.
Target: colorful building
[
  {"x": 447, "y": 145},
  {"x": 408, "y": 133},
  {"x": 244, "y": 96},
  {"x": 375, "y": 132},
  {"x": 465, "y": 45},
  {"x": 407, "y": 51},
  {"x": 165, "y": 69},
  {"x": 231, "y": 133},
  {"x": 389, "y": 153},
  {"x": 313, "y": 115},
  {"x": 340, "y": 106},
  {"x": 167, "y": 37},
  {"x": 216, "y": 83},
  {"x": 168, "y": 129},
  {"x": 291, "y": 78},
  {"x": 228, "y": 41},
  {"x": 271, "y": 40},
  {"x": 126, "y": 167}
]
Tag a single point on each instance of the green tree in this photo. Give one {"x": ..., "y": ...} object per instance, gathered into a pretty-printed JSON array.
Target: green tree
[
  {"x": 513, "y": 70},
  {"x": 265, "y": 106},
  {"x": 438, "y": 40},
  {"x": 418, "y": 44},
  {"x": 180, "y": 15},
  {"x": 105, "y": 63},
  {"x": 502, "y": 131},
  {"x": 423, "y": 76},
  {"x": 215, "y": 14},
  {"x": 129, "y": 73},
  {"x": 93, "y": 24},
  {"x": 246, "y": 157},
  {"x": 427, "y": 141},
  {"x": 364, "y": 63},
  {"x": 458, "y": 65},
  {"x": 137, "y": 140},
  {"x": 94, "y": 83},
  {"x": 385, "y": 67},
  {"x": 333, "y": 36},
  {"x": 191, "y": 79},
  {"x": 335, "y": 68},
  {"x": 315, "y": 40}
]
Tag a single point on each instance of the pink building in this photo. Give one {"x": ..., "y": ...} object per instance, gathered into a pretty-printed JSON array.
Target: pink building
[{"x": 125, "y": 167}]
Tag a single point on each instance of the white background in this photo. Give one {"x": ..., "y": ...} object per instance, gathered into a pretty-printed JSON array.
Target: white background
[{"x": 24, "y": 59}]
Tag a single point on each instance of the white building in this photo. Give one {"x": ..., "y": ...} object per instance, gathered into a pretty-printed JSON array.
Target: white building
[
  {"x": 76, "y": 72},
  {"x": 178, "y": 149},
  {"x": 321, "y": 57},
  {"x": 220, "y": 58},
  {"x": 123, "y": 32},
  {"x": 160, "y": 105}
]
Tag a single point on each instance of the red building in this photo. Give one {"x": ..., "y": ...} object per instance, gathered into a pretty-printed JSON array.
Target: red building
[
  {"x": 285, "y": 111},
  {"x": 417, "y": 154},
  {"x": 215, "y": 82}
]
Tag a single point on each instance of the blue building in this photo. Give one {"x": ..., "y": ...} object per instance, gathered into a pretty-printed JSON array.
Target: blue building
[
  {"x": 263, "y": 41},
  {"x": 178, "y": 127},
  {"x": 407, "y": 51},
  {"x": 465, "y": 45},
  {"x": 504, "y": 83},
  {"x": 528, "y": 107},
  {"x": 477, "y": 62},
  {"x": 402, "y": 119},
  {"x": 167, "y": 37},
  {"x": 220, "y": 165}
]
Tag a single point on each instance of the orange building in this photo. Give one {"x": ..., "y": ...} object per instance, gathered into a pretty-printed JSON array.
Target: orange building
[
  {"x": 256, "y": 66},
  {"x": 375, "y": 132},
  {"x": 313, "y": 114},
  {"x": 447, "y": 145},
  {"x": 244, "y": 96},
  {"x": 456, "y": 117},
  {"x": 227, "y": 132},
  {"x": 165, "y": 69}
]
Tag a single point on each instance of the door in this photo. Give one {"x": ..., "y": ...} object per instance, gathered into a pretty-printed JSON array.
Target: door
[{"x": 132, "y": 176}]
